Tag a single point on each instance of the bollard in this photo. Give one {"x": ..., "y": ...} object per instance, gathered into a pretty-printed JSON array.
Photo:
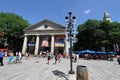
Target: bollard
[{"x": 82, "y": 73}]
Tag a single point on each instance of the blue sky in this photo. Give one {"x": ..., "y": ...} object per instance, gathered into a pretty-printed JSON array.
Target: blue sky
[{"x": 56, "y": 10}]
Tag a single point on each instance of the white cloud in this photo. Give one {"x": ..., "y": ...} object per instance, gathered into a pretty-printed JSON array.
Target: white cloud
[{"x": 87, "y": 11}]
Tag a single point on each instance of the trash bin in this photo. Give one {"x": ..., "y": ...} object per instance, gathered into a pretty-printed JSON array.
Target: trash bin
[{"x": 82, "y": 73}]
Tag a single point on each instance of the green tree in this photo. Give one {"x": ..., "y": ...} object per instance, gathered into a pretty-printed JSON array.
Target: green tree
[
  {"x": 95, "y": 34},
  {"x": 12, "y": 25}
]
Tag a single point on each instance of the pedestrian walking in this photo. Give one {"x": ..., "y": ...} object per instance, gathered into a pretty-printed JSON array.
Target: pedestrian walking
[
  {"x": 59, "y": 57},
  {"x": 118, "y": 59},
  {"x": 40, "y": 54},
  {"x": 75, "y": 58},
  {"x": 27, "y": 54},
  {"x": 17, "y": 58},
  {"x": 1, "y": 57},
  {"x": 10, "y": 57},
  {"x": 64, "y": 55},
  {"x": 56, "y": 58},
  {"x": 20, "y": 57},
  {"x": 6, "y": 53},
  {"x": 48, "y": 58}
]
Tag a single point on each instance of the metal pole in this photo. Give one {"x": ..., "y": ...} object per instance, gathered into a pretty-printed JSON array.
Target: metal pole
[
  {"x": 70, "y": 21},
  {"x": 71, "y": 70}
]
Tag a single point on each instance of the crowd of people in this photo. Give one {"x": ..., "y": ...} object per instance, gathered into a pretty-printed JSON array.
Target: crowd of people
[
  {"x": 58, "y": 56},
  {"x": 12, "y": 58},
  {"x": 49, "y": 56},
  {"x": 108, "y": 57},
  {"x": 97, "y": 56},
  {"x": 17, "y": 57}
]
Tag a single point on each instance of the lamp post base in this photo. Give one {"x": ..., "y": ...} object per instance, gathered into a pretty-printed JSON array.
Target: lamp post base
[{"x": 71, "y": 72}]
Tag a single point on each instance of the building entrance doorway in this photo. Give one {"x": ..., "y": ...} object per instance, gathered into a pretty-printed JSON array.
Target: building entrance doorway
[
  {"x": 59, "y": 50},
  {"x": 30, "y": 49}
]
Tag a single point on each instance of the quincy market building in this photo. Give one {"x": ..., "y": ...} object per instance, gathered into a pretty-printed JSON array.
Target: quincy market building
[{"x": 45, "y": 35}]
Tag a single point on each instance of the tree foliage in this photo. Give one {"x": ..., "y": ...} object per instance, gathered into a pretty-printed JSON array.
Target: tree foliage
[
  {"x": 94, "y": 34},
  {"x": 12, "y": 25}
]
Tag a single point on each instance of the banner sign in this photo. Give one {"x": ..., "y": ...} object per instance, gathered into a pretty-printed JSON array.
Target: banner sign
[
  {"x": 59, "y": 41},
  {"x": 31, "y": 41},
  {"x": 45, "y": 42}
]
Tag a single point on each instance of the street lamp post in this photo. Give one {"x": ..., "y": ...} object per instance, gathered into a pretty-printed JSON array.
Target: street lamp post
[{"x": 70, "y": 24}]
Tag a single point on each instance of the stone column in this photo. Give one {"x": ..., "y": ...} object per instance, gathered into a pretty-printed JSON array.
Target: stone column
[
  {"x": 66, "y": 45},
  {"x": 52, "y": 44},
  {"x": 36, "y": 46},
  {"x": 24, "y": 45}
]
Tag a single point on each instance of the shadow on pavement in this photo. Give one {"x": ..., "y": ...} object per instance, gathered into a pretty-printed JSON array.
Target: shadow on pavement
[{"x": 60, "y": 74}]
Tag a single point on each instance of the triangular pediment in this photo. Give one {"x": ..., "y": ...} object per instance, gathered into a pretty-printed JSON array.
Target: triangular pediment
[{"x": 45, "y": 25}]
